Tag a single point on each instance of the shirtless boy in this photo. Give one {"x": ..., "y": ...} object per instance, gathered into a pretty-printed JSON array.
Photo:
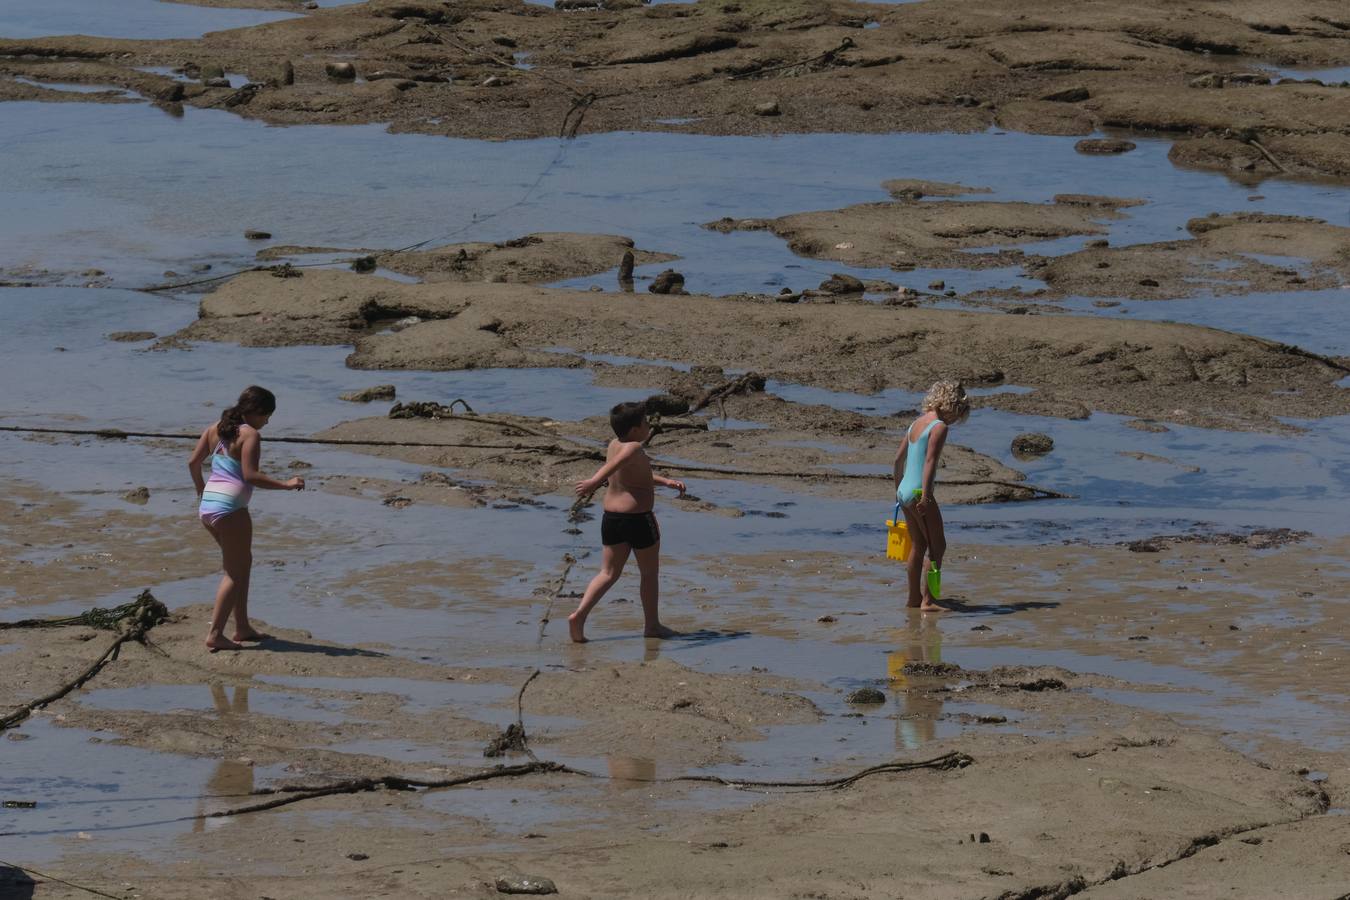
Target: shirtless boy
[{"x": 628, "y": 523}]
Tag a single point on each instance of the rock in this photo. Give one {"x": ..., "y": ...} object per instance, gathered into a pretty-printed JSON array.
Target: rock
[
  {"x": 254, "y": 234},
  {"x": 768, "y": 108},
  {"x": 991, "y": 720},
  {"x": 364, "y": 264},
  {"x": 357, "y": 857},
  {"x": 129, "y": 337},
  {"x": 287, "y": 73},
  {"x": 668, "y": 282},
  {"x": 211, "y": 70},
  {"x": 626, "y": 266},
  {"x": 502, "y": 40},
  {"x": 1068, "y": 95},
  {"x": 171, "y": 93},
  {"x": 840, "y": 283},
  {"x": 937, "y": 285},
  {"x": 1208, "y": 80},
  {"x": 525, "y": 884},
  {"x": 1248, "y": 78},
  {"x": 936, "y": 669},
  {"x": 311, "y": 4},
  {"x": 139, "y": 496},
  {"x": 866, "y": 695},
  {"x": 826, "y": 620},
  {"x": 340, "y": 71},
  {"x": 493, "y": 81},
  {"x": 1107, "y": 145},
  {"x": 1143, "y": 547},
  {"x": 1147, "y": 425},
  {"x": 1147, "y": 282},
  {"x": 666, "y": 405},
  {"x": 1098, "y": 244},
  {"x": 1032, "y": 443},
  {"x": 216, "y": 82},
  {"x": 965, "y": 100},
  {"x": 378, "y": 392}
]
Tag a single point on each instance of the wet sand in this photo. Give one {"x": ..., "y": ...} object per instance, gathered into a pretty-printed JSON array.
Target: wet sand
[
  {"x": 1137, "y": 689},
  {"x": 1151, "y": 693}
]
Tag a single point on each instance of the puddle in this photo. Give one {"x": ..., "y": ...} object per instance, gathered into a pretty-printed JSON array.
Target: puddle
[
  {"x": 236, "y": 79},
  {"x": 1307, "y": 319},
  {"x": 1331, "y": 75},
  {"x": 144, "y": 19},
  {"x": 106, "y": 187},
  {"x": 223, "y": 701},
  {"x": 122, "y": 799},
  {"x": 73, "y": 88}
]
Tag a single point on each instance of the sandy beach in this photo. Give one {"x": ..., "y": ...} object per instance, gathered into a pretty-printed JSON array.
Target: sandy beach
[{"x": 451, "y": 235}]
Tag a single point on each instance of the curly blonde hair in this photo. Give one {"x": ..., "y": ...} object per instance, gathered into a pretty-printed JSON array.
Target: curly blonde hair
[{"x": 948, "y": 396}]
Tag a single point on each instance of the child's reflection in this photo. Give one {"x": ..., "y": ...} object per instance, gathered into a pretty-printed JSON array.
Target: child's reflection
[
  {"x": 920, "y": 641},
  {"x": 232, "y": 779}
]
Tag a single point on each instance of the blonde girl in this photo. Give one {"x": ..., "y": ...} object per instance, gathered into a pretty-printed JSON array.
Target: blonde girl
[{"x": 915, "y": 472}]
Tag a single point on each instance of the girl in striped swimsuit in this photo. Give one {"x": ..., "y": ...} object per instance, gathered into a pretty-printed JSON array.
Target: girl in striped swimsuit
[{"x": 234, "y": 449}]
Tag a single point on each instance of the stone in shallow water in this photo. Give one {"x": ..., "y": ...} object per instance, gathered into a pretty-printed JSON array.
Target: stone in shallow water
[
  {"x": 525, "y": 884},
  {"x": 378, "y": 392},
  {"x": 1032, "y": 443},
  {"x": 866, "y": 695}
]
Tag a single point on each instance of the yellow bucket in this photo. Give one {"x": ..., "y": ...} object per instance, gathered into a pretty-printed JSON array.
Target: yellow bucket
[{"x": 898, "y": 543}]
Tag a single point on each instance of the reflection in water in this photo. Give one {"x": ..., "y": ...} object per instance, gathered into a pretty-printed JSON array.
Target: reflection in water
[
  {"x": 920, "y": 641},
  {"x": 224, "y": 705},
  {"x": 629, "y": 770},
  {"x": 232, "y": 778}
]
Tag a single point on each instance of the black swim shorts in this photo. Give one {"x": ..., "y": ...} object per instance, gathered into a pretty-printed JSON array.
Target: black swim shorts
[{"x": 639, "y": 530}]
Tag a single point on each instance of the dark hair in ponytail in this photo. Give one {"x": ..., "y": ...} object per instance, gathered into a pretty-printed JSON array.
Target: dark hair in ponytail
[{"x": 254, "y": 400}]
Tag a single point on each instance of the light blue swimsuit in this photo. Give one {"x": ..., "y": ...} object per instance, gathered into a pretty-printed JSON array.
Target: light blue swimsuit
[{"x": 911, "y": 485}]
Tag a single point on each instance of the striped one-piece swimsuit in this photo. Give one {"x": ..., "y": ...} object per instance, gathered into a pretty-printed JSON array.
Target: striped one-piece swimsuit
[{"x": 226, "y": 490}]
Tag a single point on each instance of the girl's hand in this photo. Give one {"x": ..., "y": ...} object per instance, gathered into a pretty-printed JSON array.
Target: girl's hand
[{"x": 296, "y": 484}]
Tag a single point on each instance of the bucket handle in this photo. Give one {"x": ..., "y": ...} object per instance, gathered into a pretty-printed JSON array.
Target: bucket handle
[{"x": 895, "y": 516}]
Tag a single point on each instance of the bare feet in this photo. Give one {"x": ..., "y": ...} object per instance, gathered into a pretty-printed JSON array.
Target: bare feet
[
  {"x": 930, "y": 605},
  {"x": 252, "y": 636},
  {"x": 660, "y": 631},
  {"x": 576, "y": 627},
  {"x": 220, "y": 642}
]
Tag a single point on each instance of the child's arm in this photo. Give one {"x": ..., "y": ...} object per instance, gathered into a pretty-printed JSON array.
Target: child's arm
[
  {"x": 670, "y": 483},
  {"x": 250, "y": 452},
  {"x": 621, "y": 456},
  {"x": 199, "y": 454},
  {"x": 930, "y": 465}
]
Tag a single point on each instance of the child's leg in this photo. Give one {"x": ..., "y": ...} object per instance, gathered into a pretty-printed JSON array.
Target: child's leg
[
  {"x": 243, "y": 629},
  {"x": 649, "y": 564},
  {"x": 611, "y": 567},
  {"x": 937, "y": 548},
  {"x": 234, "y": 534},
  {"x": 914, "y": 565}
]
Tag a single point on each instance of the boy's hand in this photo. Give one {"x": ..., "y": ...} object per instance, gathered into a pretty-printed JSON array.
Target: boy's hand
[
  {"x": 587, "y": 487},
  {"x": 296, "y": 484},
  {"x": 677, "y": 485}
]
